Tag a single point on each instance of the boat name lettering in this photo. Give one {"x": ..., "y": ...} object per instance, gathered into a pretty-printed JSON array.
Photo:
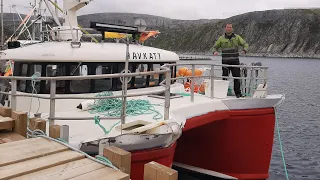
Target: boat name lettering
[{"x": 154, "y": 56}]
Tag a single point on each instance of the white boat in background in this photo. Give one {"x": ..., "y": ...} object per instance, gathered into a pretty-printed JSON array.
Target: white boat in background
[{"x": 128, "y": 95}]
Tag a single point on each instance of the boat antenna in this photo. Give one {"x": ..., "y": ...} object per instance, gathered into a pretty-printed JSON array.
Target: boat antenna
[{"x": 2, "y": 36}]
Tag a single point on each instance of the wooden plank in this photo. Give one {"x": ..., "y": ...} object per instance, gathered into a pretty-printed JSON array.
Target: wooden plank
[
  {"x": 5, "y": 111},
  {"x": 23, "y": 154},
  {"x": 33, "y": 165},
  {"x": 6, "y": 123},
  {"x": 106, "y": 172},
  {"x": 119, "y": 158},
  {"x": 156, "y": 171},
  {"x": 27, "y": 143},
  {"x": 113, "y": 176},
  {"x": 76, "y": 172},
  {"x": 8, "y": 136},
  {"x": 37, "y": 123},
  {"x": 54, "y": 131},
  {"x": 5, "y": 140},
  {"x": 20, "y": 122},
  {"x": 56, "y": 170}
]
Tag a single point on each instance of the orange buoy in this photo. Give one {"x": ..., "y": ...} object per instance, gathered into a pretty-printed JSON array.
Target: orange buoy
[
  {"x": 202, "y": 88},
  {"x": 182, "y": 71},
  {"x": 196, "y": 88},
  {"x": 198, "y": 72},
  {"x": 188, "y": 73},
  {"x": 187, "y": 85}
]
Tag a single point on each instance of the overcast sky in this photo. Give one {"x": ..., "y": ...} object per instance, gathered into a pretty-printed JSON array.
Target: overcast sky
[{"x": 181, "y": 9}]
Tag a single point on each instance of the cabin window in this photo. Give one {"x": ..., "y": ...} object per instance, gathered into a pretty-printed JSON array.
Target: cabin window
[
  {"x": 79, "y": 86},
  {"x": 154, "y": 79},
  {"x": 55, "y": 71},
  {"x": 23, "y": 83},
  {"x": 47, "y": 69},
  {"x": 140, "y": 81},
  {"x": 103, "y": 84}
]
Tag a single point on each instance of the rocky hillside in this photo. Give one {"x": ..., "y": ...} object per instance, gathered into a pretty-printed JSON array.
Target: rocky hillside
[
  {"x": 277, "y": 32},
  {"x": 152, "y": 21},
  {"x": 274, "y": 32}
]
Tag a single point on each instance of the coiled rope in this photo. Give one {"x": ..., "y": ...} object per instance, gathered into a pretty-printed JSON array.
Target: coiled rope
[
  {"x": 113, "y": 107},
  {"x": 97, "y": 121}
]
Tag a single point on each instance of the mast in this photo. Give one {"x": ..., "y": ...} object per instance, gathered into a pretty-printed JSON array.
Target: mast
[
  {"x": 56, "y": 9},
  {"x": 34, "y": 25},
  {"x": 2, "y": 45}
]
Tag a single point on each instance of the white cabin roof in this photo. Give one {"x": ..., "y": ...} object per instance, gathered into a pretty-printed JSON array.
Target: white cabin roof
[{"x": 88, "y": 52}]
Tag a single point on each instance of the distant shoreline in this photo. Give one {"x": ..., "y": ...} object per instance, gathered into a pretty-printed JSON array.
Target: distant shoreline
[{"x": 306, "y": 56}]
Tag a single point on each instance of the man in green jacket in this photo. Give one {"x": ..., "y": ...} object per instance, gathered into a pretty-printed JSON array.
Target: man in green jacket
[{"x": 229, "y": 43}]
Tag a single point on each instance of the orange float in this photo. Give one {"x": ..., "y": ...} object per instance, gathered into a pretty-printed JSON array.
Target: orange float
[
  {"x": 188, "y": 72},
  {"x": 182, "y": 71},
  {"x": 187, "y": 85},
  {"x": 197, "y": 72},
  {"x": 202, "y": 88}
]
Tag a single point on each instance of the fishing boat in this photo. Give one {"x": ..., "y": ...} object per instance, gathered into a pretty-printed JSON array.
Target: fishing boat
[{"x": 142, "y": 99}]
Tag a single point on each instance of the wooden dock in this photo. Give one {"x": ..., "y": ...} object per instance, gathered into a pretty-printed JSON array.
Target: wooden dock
[
  {"x": 45, "y": 159},
  {"x": 40, "y": 158}
]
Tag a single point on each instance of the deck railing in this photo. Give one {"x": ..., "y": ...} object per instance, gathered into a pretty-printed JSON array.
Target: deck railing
[
  {"x": 53, "y": 96},
  {"x": 212, "y": 76},
  {"x": 165, "y": 69}
]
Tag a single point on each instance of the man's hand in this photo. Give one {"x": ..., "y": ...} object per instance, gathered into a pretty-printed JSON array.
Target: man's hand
[{"x": 215, "y": 53}]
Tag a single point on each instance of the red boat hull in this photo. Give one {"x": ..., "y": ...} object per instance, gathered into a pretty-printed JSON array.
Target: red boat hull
[
  {"x": 237, "y": 143},
  {"x": 140, "y": 158}
]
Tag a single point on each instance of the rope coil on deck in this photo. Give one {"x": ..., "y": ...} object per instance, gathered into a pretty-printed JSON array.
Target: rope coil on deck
[{"x": 113, "y": 107}]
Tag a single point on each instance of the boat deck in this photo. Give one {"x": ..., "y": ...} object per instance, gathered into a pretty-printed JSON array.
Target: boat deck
[
  {"x": 41, "y": 158},
  {"x": 181, "y": 109}
]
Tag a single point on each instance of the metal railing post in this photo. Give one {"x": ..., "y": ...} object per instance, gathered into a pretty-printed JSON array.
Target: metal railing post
[
  {"x": 254, "y": 83},
  {"x": 212, "y": 81},
  {"x": 192, "y": 83},
  {"x": 52, "y": 102},
  {"x": 13, "y": 94},
  {"x": 125, "y": 85},
  {"x": 167, "y": 96},
  {"x": 77, "y": 34},
  {"x": 251, "y": 81}
]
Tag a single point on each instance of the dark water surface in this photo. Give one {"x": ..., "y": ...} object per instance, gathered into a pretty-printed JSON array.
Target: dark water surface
[{"x": 298, "y": 116}]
